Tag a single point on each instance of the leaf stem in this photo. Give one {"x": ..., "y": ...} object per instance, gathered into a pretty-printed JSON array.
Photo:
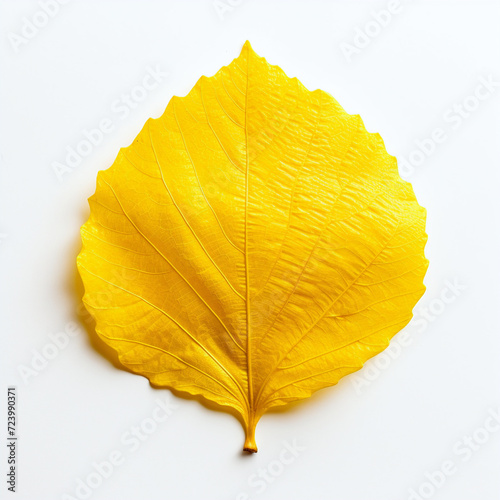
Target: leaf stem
[{"x": 250, "y": 445}]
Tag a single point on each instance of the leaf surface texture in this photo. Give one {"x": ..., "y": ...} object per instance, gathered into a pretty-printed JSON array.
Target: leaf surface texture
[{"x": 253, "y": 244}]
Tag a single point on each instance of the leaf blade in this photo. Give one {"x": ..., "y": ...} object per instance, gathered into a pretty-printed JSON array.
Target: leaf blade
[{"x": 254, "y": 244}]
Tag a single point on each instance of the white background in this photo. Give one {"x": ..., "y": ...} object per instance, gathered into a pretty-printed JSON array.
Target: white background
[{"x": 371, "y": 440}]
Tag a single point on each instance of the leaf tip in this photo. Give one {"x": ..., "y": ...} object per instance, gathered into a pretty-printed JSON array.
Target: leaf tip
[{"x": 247, "y": 49}]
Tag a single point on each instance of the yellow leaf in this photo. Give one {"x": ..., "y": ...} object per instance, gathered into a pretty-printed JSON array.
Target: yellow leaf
[{"x": 253, "y": 244}]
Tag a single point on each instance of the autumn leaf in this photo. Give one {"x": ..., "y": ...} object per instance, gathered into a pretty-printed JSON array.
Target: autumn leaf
[{"x": 253, "y": 244}]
